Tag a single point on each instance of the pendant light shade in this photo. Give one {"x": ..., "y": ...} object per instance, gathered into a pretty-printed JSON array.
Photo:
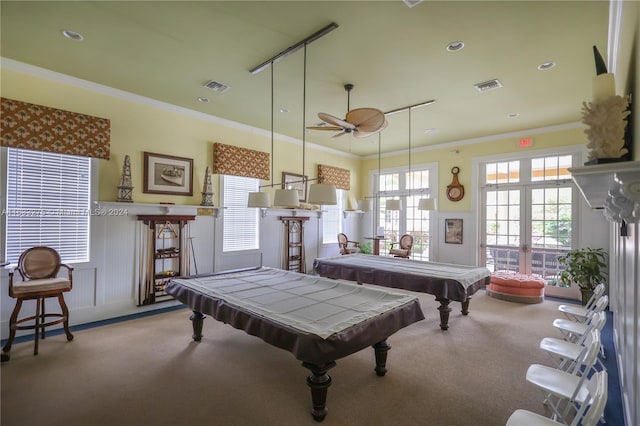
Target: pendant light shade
[
  {"x": 427, "y": 204},
  {"x": 364, "y": 205},
  {"x": 323, "y": 194},
  {"x": 286, "y": 198},
  {"x": 394, "y": 205},
  {"x": 258, "y": 199}
]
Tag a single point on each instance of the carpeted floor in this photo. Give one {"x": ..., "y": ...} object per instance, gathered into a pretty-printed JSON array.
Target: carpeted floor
[{"x": 148, "y": 371}]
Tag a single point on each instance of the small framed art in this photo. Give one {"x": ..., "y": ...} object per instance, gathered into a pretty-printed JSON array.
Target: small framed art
[
  {"x": 453, "y": 231},
  {"x": 167, "y": 174},
  {"x": 297, "y": 182}
]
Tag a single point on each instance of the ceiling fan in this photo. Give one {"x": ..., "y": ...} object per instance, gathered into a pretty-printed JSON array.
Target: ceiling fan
[{"x": 361, "y": 122}]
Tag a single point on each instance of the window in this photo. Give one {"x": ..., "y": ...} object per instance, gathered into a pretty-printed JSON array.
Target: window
[
  {"x": 241, "y": 224},
  {"x": 48, "y": 204},
  {"x": 332, "y": 219},
  {"x": 409, "y": 187}
]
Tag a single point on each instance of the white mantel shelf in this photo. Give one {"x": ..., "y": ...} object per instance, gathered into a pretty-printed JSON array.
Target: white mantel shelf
[
  {"x": 614, "y": 187},
  {"x": 150, "y": 208}
]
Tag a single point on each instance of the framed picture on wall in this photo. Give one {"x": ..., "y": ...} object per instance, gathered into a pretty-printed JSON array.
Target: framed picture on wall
[
  {"x": 166, "y": 174},
  {"x": 453, "y": 231},
  {"x": 297, "y": 182}
]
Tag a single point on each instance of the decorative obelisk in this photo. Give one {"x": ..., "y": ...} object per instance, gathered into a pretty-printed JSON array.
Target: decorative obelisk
[
  {"x": 125, "y": 188},
  {"x": 207, "y": 189}
]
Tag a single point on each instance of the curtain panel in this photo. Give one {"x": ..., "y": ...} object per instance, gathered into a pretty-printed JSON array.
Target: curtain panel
[
  {"x": 341, "y": 178},
  {"x": 41, "y": 128},
  {"x": 236, "y": 161}
]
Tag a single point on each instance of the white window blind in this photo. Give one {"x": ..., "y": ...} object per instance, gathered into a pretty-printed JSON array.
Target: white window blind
[
  {"x": 240, "y": 223},
  {"x": 48, "y": 204},
  {"x": 332, "y": 219}
]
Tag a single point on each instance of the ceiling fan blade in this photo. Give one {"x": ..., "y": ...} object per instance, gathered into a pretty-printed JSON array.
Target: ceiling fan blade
[
  {"x": 333, "y": 128},
  {"x": 337, "y": 135},
  {"x": 366, "y": 119},
  {"x": 327, "y": 118},
  {"x": 360, "y": 134}
]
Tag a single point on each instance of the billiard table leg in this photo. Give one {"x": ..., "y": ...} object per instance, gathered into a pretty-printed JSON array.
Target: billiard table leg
[
  {"x": 465, "y": 306},
  {"x": 444, "y": 312},
  {"x": 381, "y": 349},
  {"x": 319, "y": 381},
  {"x": 197, "y": 320}
]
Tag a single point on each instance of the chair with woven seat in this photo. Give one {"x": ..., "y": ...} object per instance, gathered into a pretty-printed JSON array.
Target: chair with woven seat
[
  {"x": 405, "y": 244},
  {"x": 347, "y": 246},
  {"x": 38, "y": 268}
]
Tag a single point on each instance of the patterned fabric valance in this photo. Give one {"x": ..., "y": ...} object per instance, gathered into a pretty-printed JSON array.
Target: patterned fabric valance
[
  {"x": 41, "y": 128},
  {"x": 341, "y": 178},
  {"x": 236, "y": 161}
]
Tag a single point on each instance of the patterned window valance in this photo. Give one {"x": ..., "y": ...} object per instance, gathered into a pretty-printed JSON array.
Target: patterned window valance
[
  {"x": 41, "y": 128},
  {"x": 236, "y": 161},
  {"x": 341, "y": 178}
]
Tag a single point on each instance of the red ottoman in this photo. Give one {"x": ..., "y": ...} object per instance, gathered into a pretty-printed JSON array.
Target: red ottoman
[{"x": 516, "y": 287}]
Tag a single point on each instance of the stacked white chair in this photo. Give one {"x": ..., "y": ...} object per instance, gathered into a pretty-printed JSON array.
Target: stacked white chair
[
  {"x": 567, "y": 390},
  {"x": 564, "y": 353},
  {"x": 581, "y": 313},
  {"x": 573, "y": 330},
  {"x": 588, "y": 414}
]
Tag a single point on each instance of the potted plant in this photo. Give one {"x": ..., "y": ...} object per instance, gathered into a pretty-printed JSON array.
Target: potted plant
[{"x": 585, "y": 267}]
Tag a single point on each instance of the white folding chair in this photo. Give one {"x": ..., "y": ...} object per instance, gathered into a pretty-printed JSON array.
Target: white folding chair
[
  {"x": 572, "y": 330},
  {"x": 566, "y": 389},
  {"x": 588, "y": 414},
  {"x": 564, "y": 353},
  {"x": 581, "y": 313}
]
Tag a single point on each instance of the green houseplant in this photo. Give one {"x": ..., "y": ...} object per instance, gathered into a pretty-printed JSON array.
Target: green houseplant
[{"x": 585, "y": 267}]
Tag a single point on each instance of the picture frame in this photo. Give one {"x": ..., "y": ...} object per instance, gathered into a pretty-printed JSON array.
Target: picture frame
[
  {"x": 167, "y": 174},
  {"x": 297, "y": 182},
  {"x": 453, "y": 231}
]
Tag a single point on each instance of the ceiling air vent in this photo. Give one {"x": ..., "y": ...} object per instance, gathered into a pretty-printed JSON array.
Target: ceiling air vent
[
  {"x": 488, "y": 85},
  {"x": 217, "y": 86},
  {"x": 412, "y": 3}
]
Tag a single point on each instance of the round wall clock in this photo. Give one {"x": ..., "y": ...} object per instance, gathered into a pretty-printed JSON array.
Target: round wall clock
[{"x": 455, "y": 191}]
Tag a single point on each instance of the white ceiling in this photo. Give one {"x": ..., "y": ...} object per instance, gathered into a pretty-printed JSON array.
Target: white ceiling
[{"x": 395, "y": 55}]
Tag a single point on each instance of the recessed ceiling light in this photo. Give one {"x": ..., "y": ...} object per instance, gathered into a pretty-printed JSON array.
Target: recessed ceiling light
[
  {"x": 203, "y": 99},
  {"x": 430, "y": 131},
  {"x": 72, "y": 35},
  {"x": 454, "y": 46},
  {"x": 512, "y": 115},
  {"x": 546, "y": 66},
  {"x": 283, "y": 110}
]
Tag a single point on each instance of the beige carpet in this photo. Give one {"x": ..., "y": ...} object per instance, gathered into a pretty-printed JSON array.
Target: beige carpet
[{"x": 148, "y": 371}]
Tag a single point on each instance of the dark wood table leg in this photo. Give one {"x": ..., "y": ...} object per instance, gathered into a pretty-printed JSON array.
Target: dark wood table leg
[
  {"x": 444, "y": 312},
  {"x": 465, "y": 306},
  {"x": 319, "y": 381},
  {"x": 376, "y": 247},
  {"x": 381, "y": 349},
  {"x": 5, "y": 357},
  {"x": 197, "y": 320}
]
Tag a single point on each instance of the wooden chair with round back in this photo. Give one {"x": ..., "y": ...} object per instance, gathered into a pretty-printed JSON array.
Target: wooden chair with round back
[
  {"x": 347, "y": 246},
  {"x": 405, "y": 245},
  {"x": 38, "y": 268}
]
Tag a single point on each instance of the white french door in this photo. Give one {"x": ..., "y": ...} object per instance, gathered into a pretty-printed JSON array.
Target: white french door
[{"x": 527, "y": 215}]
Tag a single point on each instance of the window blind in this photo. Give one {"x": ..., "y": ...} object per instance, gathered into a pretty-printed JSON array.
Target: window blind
[
  {"x": 332, "y": 219},
  {"x": 240, "y": 223},
  {"x": 48, "y": 204}
]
